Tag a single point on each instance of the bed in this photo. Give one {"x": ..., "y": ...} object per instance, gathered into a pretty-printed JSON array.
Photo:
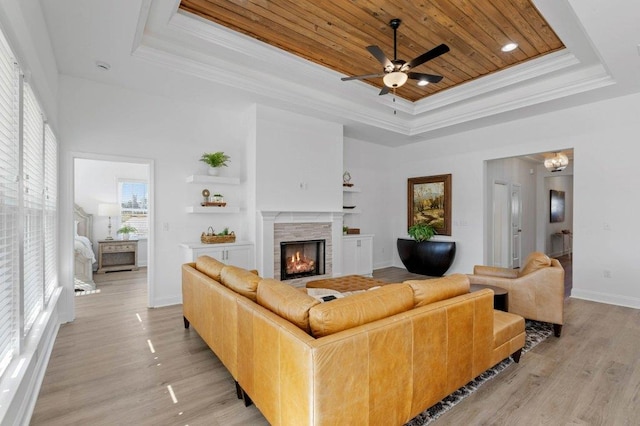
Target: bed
[{"x": 84, "y": 257}]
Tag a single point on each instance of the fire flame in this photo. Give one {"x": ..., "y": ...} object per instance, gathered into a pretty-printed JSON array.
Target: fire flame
[{"x": 300, "y": 264}]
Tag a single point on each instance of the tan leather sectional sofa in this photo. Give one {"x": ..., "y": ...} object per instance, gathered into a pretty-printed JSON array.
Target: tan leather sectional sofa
[{"x": 378, "y": 357}]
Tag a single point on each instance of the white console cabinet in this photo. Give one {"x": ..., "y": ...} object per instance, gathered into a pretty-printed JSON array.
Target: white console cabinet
[
  {"x": 239, "y": 254},
  {"x": 357, "y": 254}
]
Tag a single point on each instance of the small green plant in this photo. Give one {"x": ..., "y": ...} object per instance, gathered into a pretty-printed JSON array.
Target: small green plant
[
  {"x": 422, "y": 232},
  {"x": 127, "y": 229},
  {"x": 345, "y": 229},
  {"x": 215, "y": 159},
  {"x": 225, "y": 231}
]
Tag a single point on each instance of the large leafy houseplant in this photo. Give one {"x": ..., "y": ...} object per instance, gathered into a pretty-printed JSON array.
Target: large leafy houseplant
[{"x": 422, "y": 232}]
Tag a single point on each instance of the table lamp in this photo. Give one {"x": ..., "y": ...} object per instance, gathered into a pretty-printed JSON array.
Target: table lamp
[{"x": 108, "y": 209}]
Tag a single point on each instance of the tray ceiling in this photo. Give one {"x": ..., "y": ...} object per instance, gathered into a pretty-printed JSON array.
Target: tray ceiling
[{"x": 335, "y": 34}]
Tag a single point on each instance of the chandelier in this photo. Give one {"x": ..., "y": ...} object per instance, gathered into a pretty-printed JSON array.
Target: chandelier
[{"x": 557, "y": 163}]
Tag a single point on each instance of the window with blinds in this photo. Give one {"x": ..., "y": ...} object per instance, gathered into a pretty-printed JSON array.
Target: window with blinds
[
  {"x": 33, "y": 200},
  {"x": 50, "y": 212},
  {"x": 28, "y": 209},
  {"x": 134, "y": 205},
  {"x": 9, "y": 219}
]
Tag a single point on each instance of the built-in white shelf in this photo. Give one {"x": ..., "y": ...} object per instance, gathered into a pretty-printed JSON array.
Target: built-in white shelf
[
  {"x": 351, "y": 211},
  {"x": 213, "y": 179},
  {"x": 350, "y": 189},
  {"x": 212, "y": 209}
]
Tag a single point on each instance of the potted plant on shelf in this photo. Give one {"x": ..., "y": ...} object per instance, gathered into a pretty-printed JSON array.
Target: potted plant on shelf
[
  {"x": 423, "y": 256},
  {"x": 125, "y": 230},
  {"x": 215, "y": 160}
]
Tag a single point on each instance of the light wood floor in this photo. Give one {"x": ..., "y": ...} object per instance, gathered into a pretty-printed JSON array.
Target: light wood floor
[{"x": 103, "y": 371}]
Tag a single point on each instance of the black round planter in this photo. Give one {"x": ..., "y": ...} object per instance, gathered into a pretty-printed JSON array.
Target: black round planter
[{"x": 432, "y": 258}]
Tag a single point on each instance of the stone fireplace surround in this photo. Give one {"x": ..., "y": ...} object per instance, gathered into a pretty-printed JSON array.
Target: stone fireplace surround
[{"x": 277, "y": 226}]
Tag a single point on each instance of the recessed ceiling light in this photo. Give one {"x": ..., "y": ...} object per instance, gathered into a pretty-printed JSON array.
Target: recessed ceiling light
[
  {"x": 509, "y": 47},
  {"x": 422, "y": 82},
  {"x": 103, "y": 65}
]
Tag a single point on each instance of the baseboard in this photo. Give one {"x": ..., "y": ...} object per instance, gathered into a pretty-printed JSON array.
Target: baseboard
[
  {"x": 167, "y": 301},
  {"x": 382, "y": 265},
  {"x": 610, "y": 299}
]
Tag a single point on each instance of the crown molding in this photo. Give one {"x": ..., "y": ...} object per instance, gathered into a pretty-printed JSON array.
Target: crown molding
[
  {"x": 549, "y": 89},
  {"x": 189, "y": 44},
  {"x": 269, "y": 86}
]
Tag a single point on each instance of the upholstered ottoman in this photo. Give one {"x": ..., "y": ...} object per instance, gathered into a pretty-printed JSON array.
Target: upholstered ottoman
[{"x": 346, "y": 283}]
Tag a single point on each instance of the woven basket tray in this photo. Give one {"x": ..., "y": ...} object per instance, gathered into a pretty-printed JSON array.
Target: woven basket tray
[{"x": 210, "y": 238}]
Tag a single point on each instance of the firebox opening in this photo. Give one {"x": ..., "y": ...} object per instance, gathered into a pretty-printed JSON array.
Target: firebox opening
[{"x": 301, "y": 259}]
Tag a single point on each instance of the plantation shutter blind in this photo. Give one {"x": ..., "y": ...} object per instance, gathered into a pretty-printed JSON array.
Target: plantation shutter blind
[
  {"x": 9, "y": 246},
  {"x": 50, "y": 212},
  {"x": 33, "y": 178}
]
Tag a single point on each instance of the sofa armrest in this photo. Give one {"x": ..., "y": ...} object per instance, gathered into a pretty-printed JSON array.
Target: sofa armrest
[{"x": 495, "y": 271}]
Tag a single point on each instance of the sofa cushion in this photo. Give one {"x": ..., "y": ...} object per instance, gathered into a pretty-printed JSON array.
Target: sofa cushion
[
  {"x": 361, "y": 308},
  {"x": 286, "y": 301},
  {"x": 436, "y": 289},
  {"x": 535, "y": 261},
  {"x": 240, "y": 280},
  {"x": 209, "y": 266}
]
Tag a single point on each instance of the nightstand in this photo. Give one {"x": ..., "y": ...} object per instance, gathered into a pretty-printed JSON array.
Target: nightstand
[{"x": 117, "y": 255}]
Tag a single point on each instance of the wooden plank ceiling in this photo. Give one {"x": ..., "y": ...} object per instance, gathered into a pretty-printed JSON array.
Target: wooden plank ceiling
[{"x": 335, "y": 34}]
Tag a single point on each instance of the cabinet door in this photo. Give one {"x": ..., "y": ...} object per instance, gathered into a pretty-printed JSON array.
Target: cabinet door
[
  {"x": 349, "y": 256},
  {"x": 215, "y": 252},
  {"x": 365, "y": 256},
  {"x": 239, "y": 256}
]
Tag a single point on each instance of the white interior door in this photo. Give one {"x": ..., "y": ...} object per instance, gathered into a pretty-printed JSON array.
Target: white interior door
[
  {"x": 501, "y": 224},
  {"x": 516, "y": 226}
]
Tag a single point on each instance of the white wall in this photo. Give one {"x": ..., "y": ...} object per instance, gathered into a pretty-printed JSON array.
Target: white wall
[
  {"x": 371, "y": 171},
  {"x": 605, "y": 177},
  {"x": 565, "y": 184},
  {"x": 111, "y": 121},
  {"x": 298, "y": 162}
]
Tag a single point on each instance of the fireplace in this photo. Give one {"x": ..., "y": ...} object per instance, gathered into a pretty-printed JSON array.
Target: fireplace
[{"x": 301, "y": 259}]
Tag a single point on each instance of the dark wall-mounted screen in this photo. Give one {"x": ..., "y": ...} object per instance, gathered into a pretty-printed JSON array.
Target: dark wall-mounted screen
[{"x": 557, "y": 206}]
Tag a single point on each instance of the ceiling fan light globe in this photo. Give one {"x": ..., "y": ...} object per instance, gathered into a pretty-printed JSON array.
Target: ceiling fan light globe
[{"x": 395, "y": 79}]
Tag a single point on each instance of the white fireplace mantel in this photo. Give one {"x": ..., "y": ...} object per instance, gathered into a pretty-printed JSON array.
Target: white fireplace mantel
[{"x": 267, "y": 219}]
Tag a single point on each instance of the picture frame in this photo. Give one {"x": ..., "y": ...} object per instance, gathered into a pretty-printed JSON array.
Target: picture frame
[
  {"x": 429, "y": 201},
  {"x": 556, "y": 206}
]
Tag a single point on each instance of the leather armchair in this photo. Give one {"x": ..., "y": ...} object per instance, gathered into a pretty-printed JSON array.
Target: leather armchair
[{"x": 536, "y": 291}]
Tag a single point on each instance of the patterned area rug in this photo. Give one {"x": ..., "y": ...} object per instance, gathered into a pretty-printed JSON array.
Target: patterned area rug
[{"x": 536, "y": 333}]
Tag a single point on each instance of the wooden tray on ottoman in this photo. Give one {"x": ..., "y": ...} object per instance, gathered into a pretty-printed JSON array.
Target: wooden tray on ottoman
[{"x": 346, "y": 283}]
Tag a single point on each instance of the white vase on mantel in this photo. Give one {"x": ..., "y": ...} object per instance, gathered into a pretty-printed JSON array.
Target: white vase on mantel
[{"x": 214, "y": 171}]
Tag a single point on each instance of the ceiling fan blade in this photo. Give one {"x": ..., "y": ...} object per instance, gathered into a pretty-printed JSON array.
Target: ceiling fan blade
[
  {"x": 427, "y": 56},
  {"x": 428, "y": 77},
  {"x": 361, "y": 77},
  {"x": 380, "y": 56},
  {"x": 384, "y": 91}
]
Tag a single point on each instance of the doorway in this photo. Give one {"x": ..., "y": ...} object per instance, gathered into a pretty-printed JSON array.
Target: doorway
[
  {"x": 114, "y": 194},
  {"x": 518, "y": 211}
]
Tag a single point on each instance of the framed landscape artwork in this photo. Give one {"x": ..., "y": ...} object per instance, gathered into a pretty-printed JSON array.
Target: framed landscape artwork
[
  {"x": 557, "y": 206},
  {"x": 429, "y": 201}
]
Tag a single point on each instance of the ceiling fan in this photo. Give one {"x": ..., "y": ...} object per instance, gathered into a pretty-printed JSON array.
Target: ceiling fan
[{"x": 396, "y": 72}]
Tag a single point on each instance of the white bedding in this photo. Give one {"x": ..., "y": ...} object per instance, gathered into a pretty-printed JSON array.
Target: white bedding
[{"x": 82, "y": 246}]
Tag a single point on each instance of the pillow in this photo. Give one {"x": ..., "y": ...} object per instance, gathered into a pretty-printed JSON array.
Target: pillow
[
  {"x": 361, "y": 308},
  {"x": 240, "y": 280},
  {"x": 436, "y": 289},
  {"x": 209, "y": 266},
  {"x": 286, "y": 301},
  {"x": 535, "y": 261}
]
